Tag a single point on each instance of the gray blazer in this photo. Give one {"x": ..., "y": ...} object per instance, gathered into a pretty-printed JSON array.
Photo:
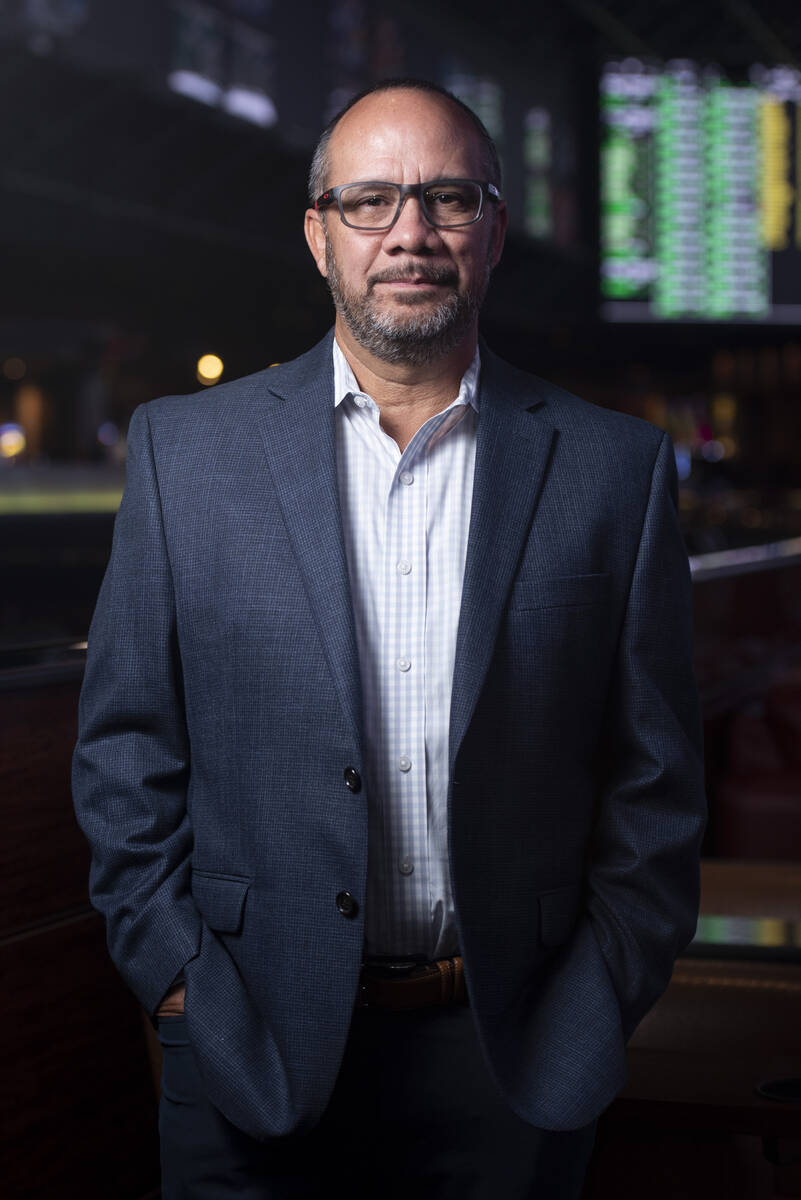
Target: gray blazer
[{"x": 221, "y": 708}]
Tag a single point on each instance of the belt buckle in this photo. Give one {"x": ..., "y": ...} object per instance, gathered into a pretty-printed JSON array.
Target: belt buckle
[
  {"x": 393, "y": 968},
  {"x": 387, "y": 969}
]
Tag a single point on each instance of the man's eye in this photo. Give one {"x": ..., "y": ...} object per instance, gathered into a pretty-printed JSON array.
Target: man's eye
[
  {"x": 367, "y": 200},
  {"x": 447, "y": 199}
]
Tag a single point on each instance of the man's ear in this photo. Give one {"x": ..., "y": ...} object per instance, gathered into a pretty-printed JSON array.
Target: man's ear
[{"x": 314, "y": 229}]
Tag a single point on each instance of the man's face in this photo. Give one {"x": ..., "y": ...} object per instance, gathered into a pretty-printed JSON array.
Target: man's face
[{"x": 411, "y": 293}]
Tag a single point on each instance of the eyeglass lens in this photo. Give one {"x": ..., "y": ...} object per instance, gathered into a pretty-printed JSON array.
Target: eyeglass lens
[{"x": 371, "y": 206}]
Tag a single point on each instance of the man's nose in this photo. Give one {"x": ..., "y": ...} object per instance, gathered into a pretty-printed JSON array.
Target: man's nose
[{"x": 412, "y": 231}]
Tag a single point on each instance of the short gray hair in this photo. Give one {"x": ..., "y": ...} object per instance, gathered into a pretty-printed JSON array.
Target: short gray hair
[{"x": 318, "y": 172}]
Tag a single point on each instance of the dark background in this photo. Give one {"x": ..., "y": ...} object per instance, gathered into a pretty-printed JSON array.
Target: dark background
[{"x": 142, "y": 225}]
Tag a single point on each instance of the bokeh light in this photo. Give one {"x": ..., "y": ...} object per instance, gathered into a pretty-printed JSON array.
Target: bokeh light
[
  {"x": 684, "y": 462},
  {"x": 209, "y": 369},
  {"x": 12, "y": 440},
  {"x": 108, "y": 434},
  {"x": 14, "y": 367},
  {"x": 713, "y": 451}
]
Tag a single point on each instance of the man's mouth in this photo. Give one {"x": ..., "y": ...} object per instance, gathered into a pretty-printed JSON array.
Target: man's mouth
[
  {"x": 410, "y": 283},
  {"x": 415, "y": 281}
]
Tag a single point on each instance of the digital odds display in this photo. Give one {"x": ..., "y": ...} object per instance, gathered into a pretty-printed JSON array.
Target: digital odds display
[{"x": 700, "y": 186}]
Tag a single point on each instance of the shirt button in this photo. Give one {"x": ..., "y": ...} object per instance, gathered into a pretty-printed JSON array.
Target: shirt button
[
  {"x": 405, "y": 866},
  {"x": 403, "y": 664},
  {"x": 359, "y": 401},
  {"x": 404, "y": 763},
  {"x": 406, "y": 478},
  {"x": 403, "y": 566}
]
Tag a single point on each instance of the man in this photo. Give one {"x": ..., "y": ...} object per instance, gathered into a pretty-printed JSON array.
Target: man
[{"x": 389, "y": 691}]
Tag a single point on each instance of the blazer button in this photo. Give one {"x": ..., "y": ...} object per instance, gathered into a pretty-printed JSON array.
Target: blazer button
[
  {"x": 347, "y": 905},
  {"x": 353, "y": 779}
]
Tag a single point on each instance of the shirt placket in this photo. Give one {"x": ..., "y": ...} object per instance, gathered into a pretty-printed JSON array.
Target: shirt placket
[{"x": 403, "y": 687}]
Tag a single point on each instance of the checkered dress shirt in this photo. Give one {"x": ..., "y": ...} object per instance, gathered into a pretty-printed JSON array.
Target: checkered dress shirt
[{"x": 406, "y": 519}]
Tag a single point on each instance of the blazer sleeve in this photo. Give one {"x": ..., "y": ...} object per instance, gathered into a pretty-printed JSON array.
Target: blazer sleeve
[
  {"x": 131, "y": 763},
  {"x": 643, "y": 874}
]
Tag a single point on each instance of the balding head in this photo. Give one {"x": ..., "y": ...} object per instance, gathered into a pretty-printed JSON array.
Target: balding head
[{"x": 465, "y": 121}]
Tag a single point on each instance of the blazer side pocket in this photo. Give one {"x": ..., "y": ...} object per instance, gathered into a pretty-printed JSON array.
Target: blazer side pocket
[{"x": 220, "y": 900}]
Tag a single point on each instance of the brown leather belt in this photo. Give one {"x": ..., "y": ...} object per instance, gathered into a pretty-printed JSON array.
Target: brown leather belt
[{"x": 401, "y": 986}]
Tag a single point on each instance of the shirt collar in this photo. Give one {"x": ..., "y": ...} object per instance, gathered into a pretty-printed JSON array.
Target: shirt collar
[{"x": 345, "y": 383}]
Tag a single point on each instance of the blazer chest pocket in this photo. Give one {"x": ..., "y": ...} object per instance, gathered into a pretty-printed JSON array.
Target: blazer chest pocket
[
  {"x": 559, "y": 912},
  {"x": 559, "y": 591},
  {"x": 220, "y": 899}
]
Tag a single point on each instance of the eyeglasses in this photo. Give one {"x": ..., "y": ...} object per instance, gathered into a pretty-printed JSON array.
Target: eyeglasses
[{"x": 445, "y": 203}]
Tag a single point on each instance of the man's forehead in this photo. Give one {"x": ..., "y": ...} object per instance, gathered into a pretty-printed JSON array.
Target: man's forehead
[{"x": 402, "y": 116}]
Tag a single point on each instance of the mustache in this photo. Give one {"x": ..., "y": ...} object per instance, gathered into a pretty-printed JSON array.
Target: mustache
[{"x": 426, "y": 273}]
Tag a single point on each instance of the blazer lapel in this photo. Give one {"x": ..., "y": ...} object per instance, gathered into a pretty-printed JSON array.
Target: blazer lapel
[
  {"x": 513, "y": 450},
  {"x": 297, "y": 425}
]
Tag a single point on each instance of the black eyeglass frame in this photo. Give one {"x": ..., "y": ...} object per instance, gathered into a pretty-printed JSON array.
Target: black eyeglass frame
[{"x": 334, "y": 194}]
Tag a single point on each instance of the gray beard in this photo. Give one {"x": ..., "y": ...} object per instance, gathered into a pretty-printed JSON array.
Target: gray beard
[{"x": 417, "y": 339}]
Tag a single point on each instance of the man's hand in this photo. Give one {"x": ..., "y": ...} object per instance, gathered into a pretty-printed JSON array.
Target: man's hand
[{"x": 173, "y": 1003}]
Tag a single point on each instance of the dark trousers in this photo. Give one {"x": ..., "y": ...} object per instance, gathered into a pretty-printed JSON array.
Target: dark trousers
[{"x": 415, "y": 1112}]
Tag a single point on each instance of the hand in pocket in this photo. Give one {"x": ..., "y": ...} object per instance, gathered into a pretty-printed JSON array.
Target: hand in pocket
[{"x": 173, "y": 1003}]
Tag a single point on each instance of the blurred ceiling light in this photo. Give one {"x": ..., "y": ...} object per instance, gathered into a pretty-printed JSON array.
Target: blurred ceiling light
[
  {"x": 209, "y": 369},
  {"x": 12, "y": 440},
  {"x": 196, "y": 86},
  {"x": 250, "y": 105},
  {"x": 14, "y": 368}
]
